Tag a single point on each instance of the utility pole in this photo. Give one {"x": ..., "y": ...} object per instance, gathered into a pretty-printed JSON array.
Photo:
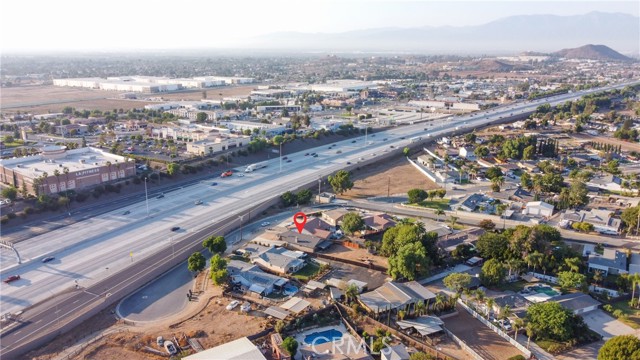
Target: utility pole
[
  {"x": 280, "y": 156},
  {"x": 146, "y": 195},
  {"x": 388, "y": 188}
]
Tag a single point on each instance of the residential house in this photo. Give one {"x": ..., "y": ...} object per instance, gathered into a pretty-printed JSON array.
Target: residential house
[
  {"x": 334, "y": 217},
  {"x": 634, "y": 264},
  {"x": 466, "y": 152},
  {"x": 379, "y": 222},
  {"x": 397, "y": 352},
  {"x": 471, "y": 202},
  {"x": 529, "y": 166},
  {"x": 607, "y": 182},
  {"x": 395, "y": 296},
  {"x": 610, "y": 262},
  {"x": 516, "y": 302},
  {"x": 291, "y": 239},
  {"x": 602, "y": 220},
  {"x": 255, "y": 280},
  {"x": 578, "y": 303},
  {"x": 318, "y": 227},
  {"x": 241, "y": 349},
  {"x": 279, "y": 260},
  {"x": 538, "y": 208}
]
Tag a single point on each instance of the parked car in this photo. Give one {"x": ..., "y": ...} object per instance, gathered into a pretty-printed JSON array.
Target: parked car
[
  {"x": 48, "y": 259},
  {"x": 246, "y": 307},
  {"x": 175, "y": 228},
  {"x": 198, "y": 202},
  {"x": 232, "y": 305},
  {"x": 126, "y": 212},
  {"x": 171, "y": 349},
  {"x": 160, "y": 341},
  {"x": 12, "y": 278},
  {"x": 265, "y": 223}
]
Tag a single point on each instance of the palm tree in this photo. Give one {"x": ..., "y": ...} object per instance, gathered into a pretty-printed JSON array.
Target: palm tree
[
  {"x": 491, "y": 302},
  {"x": 352, "y": 292},
  {"x": 45, "y": 180},
  {"x": 517, "y": 325},
  {"x": 420, "y": 226},
  {"x": 479, "y": 296},
  {"x": 513, "y": 264},
  {"x": 498, "y": 181},
  {"x": 573, "y": 264},
  {"x": 109, "y": 165},
  {"x": 597, "y": 276},
  {"x": 634, "y": 281},
  {"x": 438, "y": 212},
  {"x": 501, "y": 208},
  {"x": 534, "y": 259},
  {"x": 505, "y": 312},
  {"x": 453, "y": 220},
  {"x": 56, "y": 173},
  {"x": 473, "y": 170},
  {"x": 419, "y": 308},
  {"x": 439, "y": 302},
  {"x": 402, "y": 314}
]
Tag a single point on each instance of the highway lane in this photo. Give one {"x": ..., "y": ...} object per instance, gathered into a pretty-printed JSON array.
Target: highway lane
[{"x": 95, "y": 249}]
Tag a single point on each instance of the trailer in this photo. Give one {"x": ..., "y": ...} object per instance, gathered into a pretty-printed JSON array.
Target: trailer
[{"x": 254, "y": 167}]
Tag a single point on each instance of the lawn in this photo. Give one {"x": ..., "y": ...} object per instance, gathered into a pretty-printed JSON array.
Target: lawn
[
  {"x": 442, "y": 204},
  {"x": 308, "y": 272},
  {"x": 633, "y": 315}
]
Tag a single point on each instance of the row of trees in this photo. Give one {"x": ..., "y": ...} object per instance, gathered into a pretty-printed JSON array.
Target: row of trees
[{"x": 417, "y": 195}]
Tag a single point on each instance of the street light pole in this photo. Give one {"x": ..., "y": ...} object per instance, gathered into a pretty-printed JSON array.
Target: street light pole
[
  {"x": 146, "y": 195},
  {"x": 240, "y": 217},
  {"x": 280, "y": 156}
]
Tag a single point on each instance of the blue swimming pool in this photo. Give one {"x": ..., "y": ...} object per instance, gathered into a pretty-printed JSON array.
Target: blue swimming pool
[
  {"x": 290, "y": 289},
  {"x": 322, "y": 337}
]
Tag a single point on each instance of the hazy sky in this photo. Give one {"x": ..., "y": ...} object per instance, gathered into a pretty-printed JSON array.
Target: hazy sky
[{"x": 45, "y": 25}]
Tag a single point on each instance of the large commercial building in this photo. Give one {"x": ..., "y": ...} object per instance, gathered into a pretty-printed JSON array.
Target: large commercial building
[
  {"x": 150, "y": 84},
  {"x": 57, "y": 169}
]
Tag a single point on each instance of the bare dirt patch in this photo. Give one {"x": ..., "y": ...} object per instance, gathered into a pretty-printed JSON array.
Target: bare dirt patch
[{"x": 396, "y": 175}]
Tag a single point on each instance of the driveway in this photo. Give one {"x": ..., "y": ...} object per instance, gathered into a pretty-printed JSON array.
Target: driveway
[{"x": 605, "y": 325}]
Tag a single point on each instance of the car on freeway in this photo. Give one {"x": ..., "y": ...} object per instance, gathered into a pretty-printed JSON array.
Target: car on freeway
[
  {"x": 232, "y": 305},
  {"x": 198, "y": 202},
  {"x": 392, "y": 147},
  {"x": 285, "y": 157},
  {"x": 240, "y": 175},
  {"x": 339, "y": 152},
  {"x": 353, "y": 142},
  {"x": 315, "y": 155},
  {"x": 175, "y": 228},
  {"x": 402, "y": 138},
  {"x": 11, "y": 278},
  {"x": 126, "y": 212},
  {"x": 226, "y": 173},
  {"x": 348, "y": 162},
  {"x": 160, "y": 196},
  {"x": 214, "y": 183},
  {"x": 289, "y": 160},
  {"x": 48, "y": 259},
  {"x": 265, "y": 223}
]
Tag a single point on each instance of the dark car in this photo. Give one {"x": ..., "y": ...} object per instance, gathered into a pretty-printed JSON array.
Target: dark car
[
  {"x": 353, "y": 142},
  {"x": 48, "y": 259},
  {"x": 214, "y": 183},
  {"x": 175, "y": 228},
  {"x": 289, "y": 160},
  {"x": 285, "y": 158},
  {"x": 160, "y": 196},
  {"x": 306, "y": 154},
  {"x": 126, "y": 212},
  {"x": 12, "y": 278}
]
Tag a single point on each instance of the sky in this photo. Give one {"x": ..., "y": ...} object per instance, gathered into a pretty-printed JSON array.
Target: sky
[{"x": 104, "y": 25}]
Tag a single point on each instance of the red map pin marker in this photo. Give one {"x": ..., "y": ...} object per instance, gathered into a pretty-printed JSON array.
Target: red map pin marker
[{"x": 300, "y": 219}]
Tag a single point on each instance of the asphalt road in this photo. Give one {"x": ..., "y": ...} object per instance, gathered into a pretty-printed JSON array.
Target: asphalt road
[{"x": 105, "y": 252}]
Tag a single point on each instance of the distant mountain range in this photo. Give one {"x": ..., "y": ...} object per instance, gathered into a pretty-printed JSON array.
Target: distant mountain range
[
  {"x": 593, "y": 52},
  {"x": 511, "y": 35}
]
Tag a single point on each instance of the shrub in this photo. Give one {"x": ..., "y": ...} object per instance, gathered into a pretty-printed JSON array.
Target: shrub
[
  {"x": 11, "y": 215},
  {"x": 517, "y": 357},
  {"x": 4, "y": 220}
]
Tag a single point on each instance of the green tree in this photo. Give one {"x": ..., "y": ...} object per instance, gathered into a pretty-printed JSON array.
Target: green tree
[
  {"x": 218, "y": 268},
  {"x": 529, "y": 152},
  {"x": 341, "y": 182},
  {"x": 290, "y": 345},
  {"x": 457, "y": 281},
  {"x": 173, "y": 168},
  {"x": 304, "y": 196},
  {"x": 288, "y": 199},
  {"x": 406, "y": 151},
  {"x": 492, "y": 245},
  {"x": 487, "y": 224},
  {"x": 492, "y": 273},
  {"x": 277, "y": 140},
  {"x": 481, "y": 151},
  {"x": 410, "y": 262},
  {"x": 10, "y": 193},
  {"x": 279, "y": 326},
  {"x": 416, "y": 195},
  {"x": 623, "y": 347},
  {"x": 493, "y": 172},
  {"x": 525, "y": 181},
  {"x": 578, "y": 194},
  {"x": 420, "y": 356},
  {"x": 201, "y": 117},
  {"x": 549, "y": 320},
  {"x": 215, "y": 244},
  {"x": 569, "y": 280},
  {"x": 196, "y": 262},
  {"x": 352, "y": 222}
]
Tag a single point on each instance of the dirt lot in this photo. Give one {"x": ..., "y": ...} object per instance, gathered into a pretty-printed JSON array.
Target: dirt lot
[
  {"x": 48, "y": 98},
  {"x": 359, "y": 255},
  {"x": 202, "y": 320},
  {"x": 396, "y": 174},
  {"x": 480, "y": 338}
]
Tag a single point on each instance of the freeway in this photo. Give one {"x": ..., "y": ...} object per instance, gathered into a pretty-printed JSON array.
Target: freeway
[{"x": 106, "y": 252}]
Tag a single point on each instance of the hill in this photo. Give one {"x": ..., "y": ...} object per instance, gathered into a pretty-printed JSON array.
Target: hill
[{"x": 593, "y": 52}]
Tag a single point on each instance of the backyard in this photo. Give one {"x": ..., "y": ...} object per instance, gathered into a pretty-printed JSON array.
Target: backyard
[
  {"x": 307, "y": 272},
  {"x": 632, "y": 316},
  {"x": 438, "y": 204}
]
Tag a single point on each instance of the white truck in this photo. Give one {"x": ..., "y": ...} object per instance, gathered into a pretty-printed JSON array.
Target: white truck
[
  {"x": 415, "y": 139},
  {"x": 254, "y": 167}
]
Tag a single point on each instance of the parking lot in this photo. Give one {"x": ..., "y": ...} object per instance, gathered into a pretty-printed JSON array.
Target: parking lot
[{"x": 485, "y": 342}]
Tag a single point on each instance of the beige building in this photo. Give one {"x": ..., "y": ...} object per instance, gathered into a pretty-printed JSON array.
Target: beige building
[{"x": 57, "y": 169}]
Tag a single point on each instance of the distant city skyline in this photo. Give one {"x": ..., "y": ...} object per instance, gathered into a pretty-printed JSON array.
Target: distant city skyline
[{"x": 73, "y": 25}]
